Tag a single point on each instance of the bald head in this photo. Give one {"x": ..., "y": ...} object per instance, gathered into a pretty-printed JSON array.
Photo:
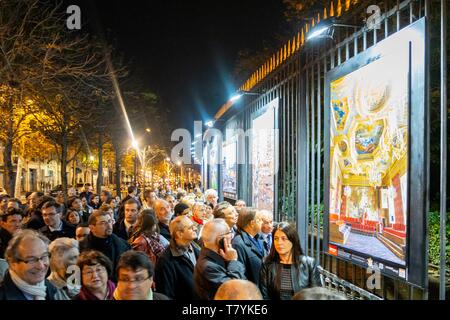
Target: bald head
[
  {"x": 212, "y": 230},
  {"x": 163, "y": 211},
  {"x": 238, "y": 290}
]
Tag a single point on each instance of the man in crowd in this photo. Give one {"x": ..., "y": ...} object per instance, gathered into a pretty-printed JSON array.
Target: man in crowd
[
  {"x": 248, "y": 243},
  {"x": 175, "y": 267},
  {"x": 199, "y": 216},
  {"x": 266, "y": 229},
  {"x": 55, "y": 227},
  {"x": 82, "y": 231},
  {"x": 149, "y": 199},
  {"x": 171, "y": 200},
  {"x": 238, "y": 290},
  {"x": 75, "y": 204},
  {"x": 132, "y": 194},
  {"x": 164, "y": 215},
  {"x": 33, "y": 214},
  {"x": 87, "y": 192},
  {"x": 124, "y": 228},
  {"x": 211, "y": 197},
  {"x": 28, "y": 259},
  {"x": 10, "y": 223},
  {"x": 14, "y": 203},
  {"x": 102, "y": 238},
  {"x": 227, "y": 212},
  {"x": 135, "y": 278},
  {"x": 240, "y": 204},
  {"x": 218, "y": 261}
]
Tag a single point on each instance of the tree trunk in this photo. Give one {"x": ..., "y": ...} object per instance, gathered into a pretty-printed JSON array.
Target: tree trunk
[
  {"x": 100, "y": 164},
  {"x": 10, "y": 178},
  {"x": 64, "y": 166}
]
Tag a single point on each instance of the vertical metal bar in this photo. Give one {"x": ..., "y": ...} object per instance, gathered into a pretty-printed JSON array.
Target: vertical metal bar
[
  {"x": 398, "y": 15},
  {"x": 411, "y": 12},
  {"x": 325, "y": 69},
  {"x": 375, "y": 40},
  {"x": 339, "y": 56},
  {"x": 283, "y": 154},
  {"x": 355, "y": 44},
  {"x": 319, "y": 167},
  {"x": 386, "y": 24},
  {"x": 364, "y": 40},
  {"x": 347, "y": 51},
  {"x": 308, "y": 150},
  {"x": 313, "y": 163},
  {"x": 443, "y": 187}
]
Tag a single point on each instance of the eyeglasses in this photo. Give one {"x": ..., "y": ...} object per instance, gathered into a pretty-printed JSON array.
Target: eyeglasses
[
  {"x": 32, "y": 261},
  {"x": 98, "y": 270},
  {"x": 137, "y": 280},
  {"x": 227, "y": 233}
]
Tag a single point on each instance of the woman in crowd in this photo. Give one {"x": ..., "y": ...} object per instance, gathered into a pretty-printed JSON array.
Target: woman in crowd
[
  {"x": 86, "y": 207},
  {"x": 286, "y": 269},
  {"x": 95, "y": 270},
  {"x": 63, "y": 255},
  {"x": 73, "y": 217},
  {"x": 95, "y": 201},
  {"x": 146, "y": 237}
]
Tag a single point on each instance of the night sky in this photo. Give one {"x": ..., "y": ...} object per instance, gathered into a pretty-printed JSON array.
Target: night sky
[{"x": 185, "y": 51}]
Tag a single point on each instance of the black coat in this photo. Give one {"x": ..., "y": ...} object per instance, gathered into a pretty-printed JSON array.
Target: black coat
[
  {"x": 174, "y": 275},
  {"x": 306, "y": 276},
  {"x": 9, "y": 291},
  {"x": 112, "y": 247},
  {"x": 121, "y": 230},
  {"x": 67, "y": 230},
  {"x": 212, "y": 270},
  {"x": 5, "y": 236},
  {"x": 164, "y": 231},
  {"x": 249, "y": 255}
]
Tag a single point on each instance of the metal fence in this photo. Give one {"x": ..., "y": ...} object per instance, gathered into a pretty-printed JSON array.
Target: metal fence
[{"x": 299, "y": 84}]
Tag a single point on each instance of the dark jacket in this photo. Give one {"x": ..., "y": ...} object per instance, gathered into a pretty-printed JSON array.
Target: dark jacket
[
  {"x": 174, "y": 274},
  {"x": 36, "y": 221},
  {"x": 9, "y": 291},
  {"x": 67, "y": 230},
  {"x": 112, "y": 247},
  {"x": 5, "y": 236},
  {"x": 164, "y": 230},
  {"x": 249, "y": 255},
  {"x": 120, "y": 230},
  {"x": 306, "y": 276},
  {"x": 212, "y": 270}
]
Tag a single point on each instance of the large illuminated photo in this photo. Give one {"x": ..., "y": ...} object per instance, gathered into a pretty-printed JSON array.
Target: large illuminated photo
[
  {"x": 264, "y": 159},
  {"x": 368, "y": 126},
  {"x": 229, "y": 170}
]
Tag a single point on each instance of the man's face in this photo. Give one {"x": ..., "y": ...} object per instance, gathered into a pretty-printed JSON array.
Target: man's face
[
  {"x": 103, "y": 227},
  {"x": 34, "y": 200},
  {"x": 77, "y": 205},
  {"x": 13, "y": 204},
  {"x": 267, "y": 225},
  {"x": 189, "y": 232},
  {"x": 171, "y": 201},
  {"x": 103, "y": 197},
  {"x": 134, "y": 285},
  {"x": 33, "y": 261},
  {"x": 231, "y": 216},
  {"x": 258, "y": 222},
  {"x": 81, "y": 233},
  {"x": 131, "y": 212},
  {"x": 51, "y": 217},
  {"x": 164, "y": 214},
  {"x": 212, "y": 199},
  {"x": 4, "y": 203},
  {"x": 12, "y": 224}
]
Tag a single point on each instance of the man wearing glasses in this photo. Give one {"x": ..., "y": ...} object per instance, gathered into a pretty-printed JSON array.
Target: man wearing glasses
[
  {"x": 135, "y": 278},
  {"x": 175, "y": 267},
  {"x": 28, "y": 259},
  {"x": 55, "y": 227},
  {"x": 218, "y": 260}
]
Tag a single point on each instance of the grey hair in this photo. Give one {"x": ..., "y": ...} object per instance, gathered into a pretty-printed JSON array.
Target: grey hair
[
  {"x": 58, "y": 247},
  {"x": 211, "y": 192},
  {"x": 213, "y": 229},
  {"x": 11, "y": 251},
  {"x": 177, "y": 225}
]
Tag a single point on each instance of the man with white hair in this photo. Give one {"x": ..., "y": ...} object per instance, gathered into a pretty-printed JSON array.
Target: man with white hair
[
  {"x": 211, "y": 197},
  {"x": 218, "y": 260},
  {"x": 28, "y": 258},
  {"x": 267, "y": 228},
  {"x": 164, "y": 214}
]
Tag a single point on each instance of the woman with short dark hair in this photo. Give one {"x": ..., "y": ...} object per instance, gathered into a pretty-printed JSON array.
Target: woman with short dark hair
[
  {"x": 96, "y": 269},
  {"x": 286, "y": 270}
]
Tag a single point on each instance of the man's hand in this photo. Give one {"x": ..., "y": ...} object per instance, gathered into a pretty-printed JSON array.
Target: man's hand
[{"x": 230, "y": 253}]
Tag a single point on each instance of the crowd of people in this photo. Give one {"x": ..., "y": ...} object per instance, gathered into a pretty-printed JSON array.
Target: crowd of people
[{"x": 161, "y": 246}]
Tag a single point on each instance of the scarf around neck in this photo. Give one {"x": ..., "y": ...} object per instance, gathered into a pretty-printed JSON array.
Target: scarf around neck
[{"x": 38, "y": 291}]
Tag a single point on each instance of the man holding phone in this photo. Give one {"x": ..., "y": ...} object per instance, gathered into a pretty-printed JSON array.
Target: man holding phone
[{"x": 218, "y": 260}]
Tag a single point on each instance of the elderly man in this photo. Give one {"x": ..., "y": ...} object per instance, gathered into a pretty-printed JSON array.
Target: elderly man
[
  {"x": 135, "y": 278},
  {"x": 211, "y": 197},
  {"x": 102, "y": 238},
  {"x": 124, "y": 228},
  {"x": 175, "y": 267},
  {"x": 218, "y": 261},
  {"x": 164, "y": 215},
  {"x": 55, "y": 227},
  {"x": 226, "y": 211},
  {"x": 240, "y": 204},
  {"x": 199, "y": 216},
  {"x": 238, "y": 290},
  {"x": 267, "y": 228},
  {"x": 10, "y": 223},
  {"x": 28, "y": 258},
  {"x": 249, "y": 244}
]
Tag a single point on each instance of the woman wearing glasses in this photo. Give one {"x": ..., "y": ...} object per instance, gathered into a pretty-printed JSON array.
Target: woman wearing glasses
[
  {"x": 96, "y": 269},
  {"x": 286, "y": 269}
]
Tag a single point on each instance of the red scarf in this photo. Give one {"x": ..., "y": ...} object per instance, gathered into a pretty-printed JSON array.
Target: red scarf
[{"x": 197, "y": 220}]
